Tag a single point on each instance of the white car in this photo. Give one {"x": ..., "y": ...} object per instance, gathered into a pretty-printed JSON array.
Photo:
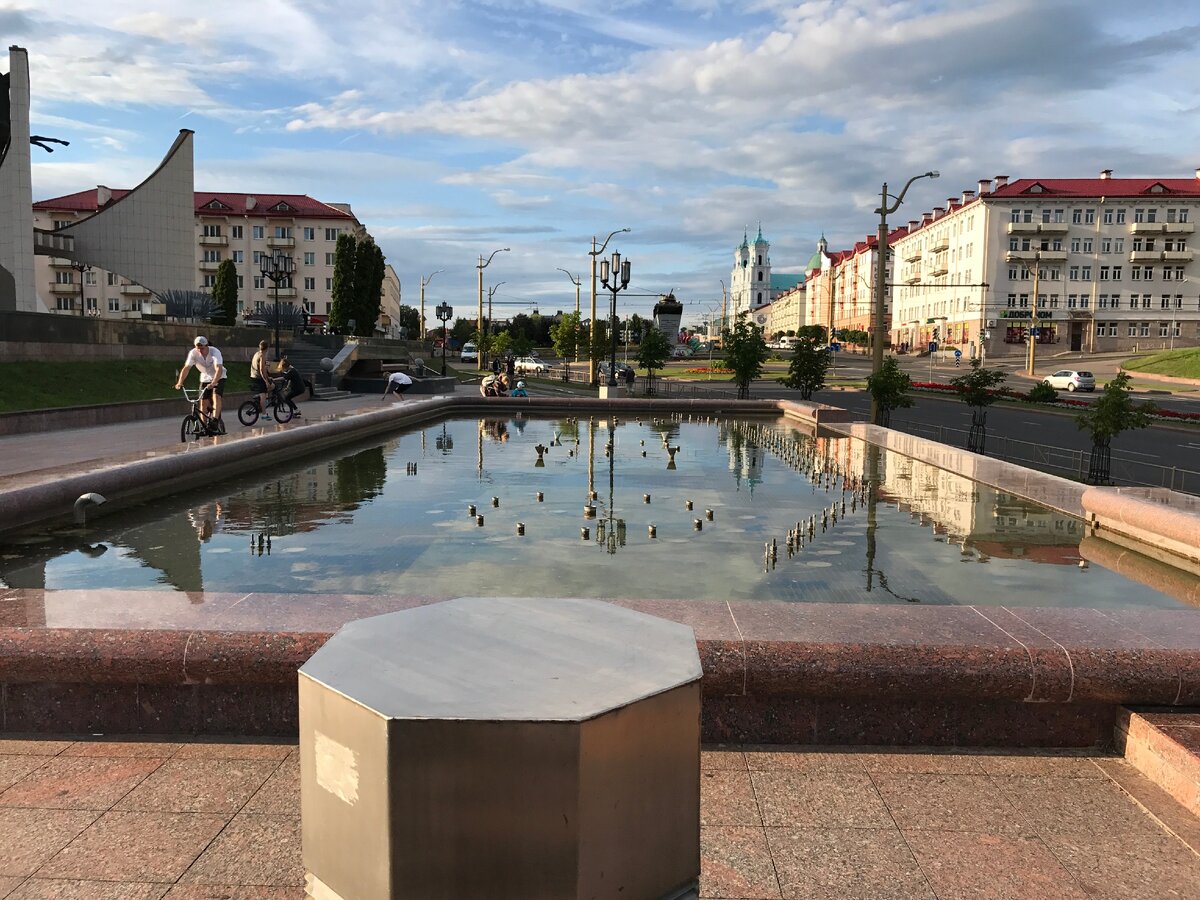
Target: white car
[
  {"x": 528, "y": 365},
  {"x": 682, "y": 351},
  {"x": 1071, "y": 380}
]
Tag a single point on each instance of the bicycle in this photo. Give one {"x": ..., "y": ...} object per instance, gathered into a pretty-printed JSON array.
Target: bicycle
[
  {"x": 197, "y": 423},
  {"x": 279, "y": 405}
]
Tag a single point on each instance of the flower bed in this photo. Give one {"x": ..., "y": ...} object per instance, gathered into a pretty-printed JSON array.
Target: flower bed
[{"x": 709, "y": 370}]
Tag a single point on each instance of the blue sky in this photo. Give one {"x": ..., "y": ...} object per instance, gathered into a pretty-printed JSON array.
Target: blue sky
[{"x": 455, "y": 128}]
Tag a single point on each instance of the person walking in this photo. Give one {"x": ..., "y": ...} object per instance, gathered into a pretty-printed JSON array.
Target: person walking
[
  {"x": 398, "y": 382},
  {"x": 208, "y": 360}
]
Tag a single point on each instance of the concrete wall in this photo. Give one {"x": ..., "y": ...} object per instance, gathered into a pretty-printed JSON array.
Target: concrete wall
[{"x": 16, "y": 195}]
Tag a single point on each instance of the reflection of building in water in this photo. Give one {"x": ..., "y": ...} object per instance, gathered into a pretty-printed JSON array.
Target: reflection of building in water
[{"x": 745, "y": 455}]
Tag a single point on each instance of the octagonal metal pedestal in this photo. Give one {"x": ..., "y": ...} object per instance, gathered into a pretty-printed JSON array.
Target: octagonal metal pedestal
[{"x": 502, "y": 748}]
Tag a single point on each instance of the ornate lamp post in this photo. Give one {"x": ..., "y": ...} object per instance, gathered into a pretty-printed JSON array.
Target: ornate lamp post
[
  {"x": 619, "y": 275},
  {"x": 424, "y": 281},
  {"x": 481, "y": 265},
  {"x": 881, "y": 279},
  {"x": 277, "y": 267},
  {"x": 593, "y": 253},
  {"x": 444, "y": 312}
]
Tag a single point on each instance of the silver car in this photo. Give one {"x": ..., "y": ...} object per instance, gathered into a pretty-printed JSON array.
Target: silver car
[
  {"x": 1071, "y": 380},
  {"x": 528, "y": 365}
]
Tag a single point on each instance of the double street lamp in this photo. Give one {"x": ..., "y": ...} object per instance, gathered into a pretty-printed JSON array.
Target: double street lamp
[
  {"x": 277, "y": 266},
  {"x": 619, "y": 276},
  {"x": 481, "y": 265},
  {"x": 880, "y": 330},
  {"x": 444, "y": 312},
  {"x": 594, "y": 253}
]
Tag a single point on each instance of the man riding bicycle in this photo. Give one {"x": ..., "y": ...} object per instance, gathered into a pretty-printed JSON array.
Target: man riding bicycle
[
  {"x": 260, "y": 378},
  {"x": 208, "y": 360}
]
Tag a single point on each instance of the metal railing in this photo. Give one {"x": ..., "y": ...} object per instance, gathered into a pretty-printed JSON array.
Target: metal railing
[
  {"x": 1066, "y": 461},
  {"x": 645, "y": 387}
]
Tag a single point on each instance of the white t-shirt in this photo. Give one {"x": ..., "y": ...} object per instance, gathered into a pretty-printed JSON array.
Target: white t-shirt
[
  {"x": 400, "y": 378},
  {"x": 206, "y": 364}
]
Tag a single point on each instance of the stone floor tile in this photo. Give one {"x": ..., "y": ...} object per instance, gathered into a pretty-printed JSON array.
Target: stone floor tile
[
  {"x": 253, "y": 849},
  {"x": 8, "y": 884},
  {"x": 29, "y": 837},
  {"x": 219, "y": 786},
  {"x": 136, "y": 846},
  {"x": 922, "y": 763},
  {"x": 1162, "y": 868},
  {"x": 79, "y": 783},
  {"x": 64, "y": 889},
  {"x": 280, "y": 794},
  {"x": 717, "y": 758},
  {"x": 727, "y": 798},
  {"x": 1037, "y": 764},
  {"x": 14, "y": 768},
  {"x": 276, "y": 751},
  {"x": 159, "y": 749},
  {"x": 1176, "y": 817},
  {"x": 234, "y": 892},
  {"x": 801, "y": 759},
  {"x": 963, "y": 865},
  {"x": 819, "y": 800},
  {"x": 735, "y": 862},
  {"x": 850, "y": 863},
  {"x": 1086, "y": 810},
  {"x": 949, "y": 803},
  {"x": 32, "y": 747}
]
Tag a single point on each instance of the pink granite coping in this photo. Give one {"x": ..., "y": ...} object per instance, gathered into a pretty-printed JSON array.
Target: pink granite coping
[{"x": 1154, "y": 517}]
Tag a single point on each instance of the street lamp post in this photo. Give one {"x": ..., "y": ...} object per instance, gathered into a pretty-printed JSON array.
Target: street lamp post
[
  {"x": 1035, "y": 326},
  {"x": 619, "y": 274},
  {"x": 277, "y": 267},
  {"x": 424, "y": 281},
  {"x": 593, "y": 253},
  {"x": 81, "y": 268},
  {"x": 881, "y": 278},
  {"x": 479, "y": 321},
  {"x": 444, "y": 312},
  {"x": 577, "y": 282},
  {"x": 491, "y": 291}
]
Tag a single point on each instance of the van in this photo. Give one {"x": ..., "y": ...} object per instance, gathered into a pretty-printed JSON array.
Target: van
[{"x": 470, "y": 353}]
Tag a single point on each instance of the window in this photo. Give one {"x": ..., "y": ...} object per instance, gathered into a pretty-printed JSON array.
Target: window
[
  {"x": 1132, "y": 329},
  {"x": 1024, "y": 301},
  {"x": 1121, "y": 216},
  {"x": 1108, "y": 217},
  {"x": 1102, "y": 301},
  {"x": 92, "y": 304},
  {"x": 1074, "y": 273},
  {"x": 1144, "y": 329},
  {"x": 1075, "y": 245},
  {"x": 283, "y": 231},
  {"x": 1014, "y": 243},
  {"x": 112, "y": 278},
  {"x": 329, "y": 259},
  {"x": 1165, "y": 301},
  {"x": 1178, "y": 273},
  {"x": 1116, "y": 273},
  {"x": 256, "y": 232},
  {"x": 1104, "y": 270},
  {"x": 1058, "y": 216},
  {"x": 1135, "y": 273},
  {"x": 259, "y": 282},
  {"x": 241, "y": 282},
  {"x": 63, "y": 223},
  {"x": 89, "y": 277},
  {"x": 1072, "y": 301},
  {"x": 1089, "y": 217},
  {"x": 310, "y": 259},
  {"x": 114, "y": 304},
  {"x": 64, "y": 277},
  {"x": 310, "y": 284},
  {"x": 1087, "y": 245},
  {"x": 1012, "y": 301},
  {"x": 1015, "y": 216},
  {"x": 1118, "y": 245},
  {"x": 760, "y": 275},
  {"x": 331, "y": 234},
  {"x": 1179, "y": 301},
  {"x": 1138, "y": 243},
  {"x": 1177, "y": 330},
  {"x": 1150, "y": 244},
  {"x": 210, "y": 280},
  {"x": 64, "y": 303},
  {"x": 1139, "y": 215},
  {"x": 758, "y": 300},
  {"x": 1183, "y": 215},
  {"x": 1145, "y": 301},
  {"x": 1086, "y": 273},
  {"x": 1077, "y": 216},
  {"x": 760, "y": 259},
  {"x": 211, "y": 230},
  {"x": 1151, "y": 215},
  {"x": 329, "y": 284},
  {"x": 1171, "y": 215},
  {"x": 1055, "y": 244},
  {"x": 1148, "y": 273},
  {"x": 256, "y": 256},
  {"x": 212, "y": 255},
  {"x": 310, "y": 233},
  {"x": 1116, "y": 301},
  {"x": 238, "y": 232},
  {"x": 1084, "y": 301},
  {"x": 1053, "y": 300},
  {"x": 238, "y": 256}
]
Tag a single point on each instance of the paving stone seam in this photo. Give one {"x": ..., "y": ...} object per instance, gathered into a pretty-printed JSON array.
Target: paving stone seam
[
  {"x": 763, "y": 824},
  {"x": 907, "y": 846},
  {"x": 741, "y": 646},
  {"x": 1161, "y": 823}
]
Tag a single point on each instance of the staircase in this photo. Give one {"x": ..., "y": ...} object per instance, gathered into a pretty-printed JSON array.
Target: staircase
[{"x": 307, "y": 358}]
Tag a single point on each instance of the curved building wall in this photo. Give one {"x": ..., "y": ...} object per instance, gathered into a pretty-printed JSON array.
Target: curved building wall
[
  {"x": 148, "y": 235},
  {"x": 16, "y": 196}
]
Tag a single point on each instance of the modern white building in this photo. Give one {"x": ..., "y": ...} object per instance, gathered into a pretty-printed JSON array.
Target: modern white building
[{"x": 1099, "y": 264}]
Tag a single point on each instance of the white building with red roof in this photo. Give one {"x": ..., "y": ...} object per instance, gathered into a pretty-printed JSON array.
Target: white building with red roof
[{"x": 235, "y": 226}]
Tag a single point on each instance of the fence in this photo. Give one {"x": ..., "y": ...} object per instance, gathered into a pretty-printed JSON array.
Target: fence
[{"x": 643, "y": 386}]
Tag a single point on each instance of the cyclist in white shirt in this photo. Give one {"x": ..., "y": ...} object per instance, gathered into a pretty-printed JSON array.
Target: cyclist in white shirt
[{"x": 212, "y": 375}]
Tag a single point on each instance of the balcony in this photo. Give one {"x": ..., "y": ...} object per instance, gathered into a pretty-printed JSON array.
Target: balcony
[
  {"x": 912, "y": 254},
  {"x": 1038, "y": 227},
  {"x": 285, "y": 293},
  {"x": 1033, "y": 256},
  {"x": 209, "y": 265},
  {"x": 213, "y": 240},
  {"x": 60, "y": 289},
  {"x": 938, "y": 267},
  {"x": 1179, "y": 228},
  {"x": 1177, "y": 256},
  {"x": 283, "y": 242},
  {"x": 913, "y": 277},
  {"x": 134, "y": 290},
  {"x": 940, "y": 245},
  {"x": 61, "y": 262},
  {"x": 1143, "y": 256}
]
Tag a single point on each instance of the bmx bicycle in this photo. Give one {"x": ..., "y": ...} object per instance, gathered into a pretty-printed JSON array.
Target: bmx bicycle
[
  {"x": 280, "y": 406},
  {"x": 197, "y": 423}
]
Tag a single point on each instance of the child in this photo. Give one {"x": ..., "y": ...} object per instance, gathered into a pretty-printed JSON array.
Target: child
[{"x": 519, "y": 390}]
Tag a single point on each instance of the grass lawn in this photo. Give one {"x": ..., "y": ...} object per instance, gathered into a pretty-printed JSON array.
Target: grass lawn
[
  {"x": 1179, "y": 363},
  {"x": 45, "y": 385}
]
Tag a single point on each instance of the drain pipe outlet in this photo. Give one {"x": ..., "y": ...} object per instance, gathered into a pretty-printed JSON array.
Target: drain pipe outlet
[{"x": 84, "y": 501}]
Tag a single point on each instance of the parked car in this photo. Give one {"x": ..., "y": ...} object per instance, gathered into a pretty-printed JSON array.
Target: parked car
[
  {"x": 470, "y": 353},
  {"x": 1071, "y": 380},
  {"x": 622, "y": 369},
  {"x": 528, "y": 365},
  {"x": 681, "y": 352}
]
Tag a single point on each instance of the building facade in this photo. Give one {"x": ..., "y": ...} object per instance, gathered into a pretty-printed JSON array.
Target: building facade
[
  {"x": 751, "y": 283},
  {"x": 239, "y": 227},
  {"x": 841, "y": 288}
]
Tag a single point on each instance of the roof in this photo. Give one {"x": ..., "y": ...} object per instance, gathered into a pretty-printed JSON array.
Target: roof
[
  {"x": 1098, "y": 187},
  {"x": 216, "y": 204},
  {"x": 785, "y": 282}
]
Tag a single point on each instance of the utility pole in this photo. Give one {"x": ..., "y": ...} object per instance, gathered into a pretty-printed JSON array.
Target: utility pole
[
  {"x": 425, "y": 281},
  {"x": 1034, "y": 327}
]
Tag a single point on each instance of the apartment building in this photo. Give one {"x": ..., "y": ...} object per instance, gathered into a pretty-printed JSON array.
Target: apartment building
[
  {"x": 1078, "y": 264},
  {"x": 841, "y": 287},
  {"x": 237, "y": 226}
]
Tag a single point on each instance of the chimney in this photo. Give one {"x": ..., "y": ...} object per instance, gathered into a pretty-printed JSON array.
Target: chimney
[
  {"x": 103, "y": 196},
  {"x": 1001, "y": 181},
  {"x": 251, "y": 202},
  {"x": 926, "y": 218},
  {"x": 985, "y": 186},
  {"x": 1198, "y": 174},
  {"x": 912, "y": 225},
  {"x": 1105, "y": 174},
  {"x": 968, "y": 196}
]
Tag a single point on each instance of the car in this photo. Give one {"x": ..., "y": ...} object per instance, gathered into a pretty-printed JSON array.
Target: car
[
  {"x": 528, "y": 365},
  {"x": 622, "y": 369},
  {"x": 470, "y": 353},
  {"x": 682, "y": 351},
  {"x": 1071, "y": 380}
]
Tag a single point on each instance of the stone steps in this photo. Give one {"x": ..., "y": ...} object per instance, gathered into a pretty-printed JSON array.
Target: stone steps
[{"x": 1165, "y": 747}]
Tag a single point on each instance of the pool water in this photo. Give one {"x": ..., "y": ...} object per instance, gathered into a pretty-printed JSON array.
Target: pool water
[{"x": 847, "y": 523}]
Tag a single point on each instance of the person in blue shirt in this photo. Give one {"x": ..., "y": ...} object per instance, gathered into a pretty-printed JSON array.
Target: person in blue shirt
[{"x": 519, "y": 390}]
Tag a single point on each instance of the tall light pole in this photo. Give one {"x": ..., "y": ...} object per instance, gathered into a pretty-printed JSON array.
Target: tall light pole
[
  {"x": 491, "y": 291},
  {"x": 444, "y": 312},
  {"x": 425, "y": 281},
  {"x": 619, "y": 274},
  {"x": 577, "y": 282},
  {"x": 277, "y": 267},
  {"x": 479, "y": 321},
  {"x": 593, "y": 253},
  {"x": 1035, "y": 326},
  {"x": 881, "y": 278}
]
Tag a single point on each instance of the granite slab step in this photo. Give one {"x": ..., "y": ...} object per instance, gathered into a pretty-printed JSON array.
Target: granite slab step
[{"x": 1164, "y": 745}]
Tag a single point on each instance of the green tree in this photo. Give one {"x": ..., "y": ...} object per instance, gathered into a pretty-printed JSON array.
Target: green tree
[
  {"x": 225, "y": 294},
  {"x": 653, "y": 352},
  {"x": 409, "y": 318},
  {"x": 498, "y": 344},
  {"x": 567, "y": 336},
  {"x": 743, "y": 351},
  {"x": 463, "y": 330},
  {"x": 521, "y": 344},
  {"x": 889, "y": 389},
  {"x": 1112, "y": 413},
  {"x": 342, "y": 297},
  {"x": 637, "y": 326},
  {"x": 808, "y": 369},
  {"x": 600, "y": 348},
  {"x": 814, "y": 333},
  {"x": 978, "y": 389},
  {"x": 366, "y": 300}
]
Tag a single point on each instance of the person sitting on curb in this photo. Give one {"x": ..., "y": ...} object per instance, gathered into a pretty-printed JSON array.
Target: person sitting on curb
[
  {"x": 494, "y": 386},
  {"x": 398, "y": 382},
  {"x": 519, "y": 390}
]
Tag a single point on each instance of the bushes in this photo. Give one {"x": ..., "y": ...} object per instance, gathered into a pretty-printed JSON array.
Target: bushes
[{"x": 1042, "y": 393}]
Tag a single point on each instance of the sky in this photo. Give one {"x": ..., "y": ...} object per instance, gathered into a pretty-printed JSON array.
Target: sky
[{"x": 456, "y": 128}]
